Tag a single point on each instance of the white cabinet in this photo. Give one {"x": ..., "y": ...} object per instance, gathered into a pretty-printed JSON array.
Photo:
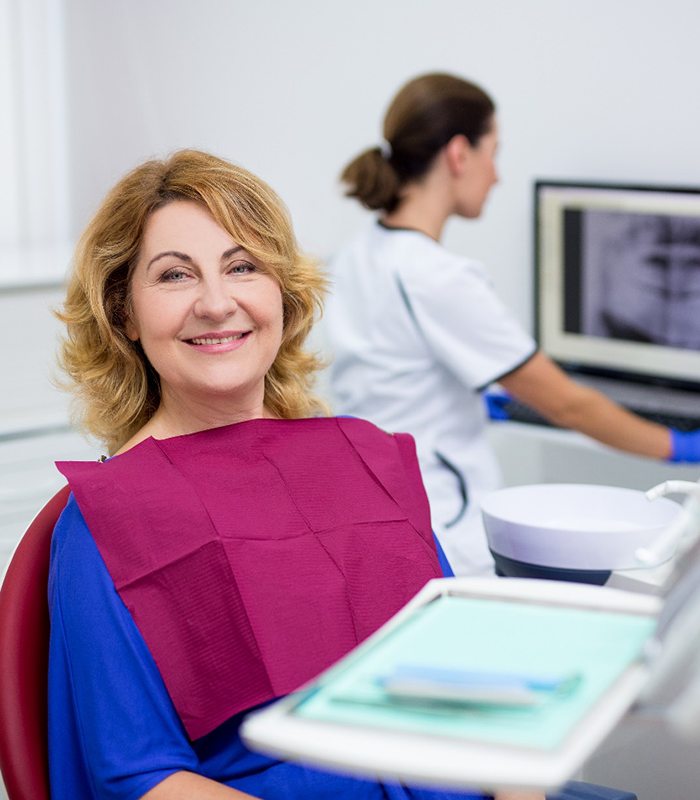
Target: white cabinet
[
  {"x": 28, "y": 477},
  {"x": 537, "y": 454}
]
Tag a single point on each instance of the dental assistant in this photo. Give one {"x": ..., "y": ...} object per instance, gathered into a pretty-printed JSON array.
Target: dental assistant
[{"x": 417, "y": 333}]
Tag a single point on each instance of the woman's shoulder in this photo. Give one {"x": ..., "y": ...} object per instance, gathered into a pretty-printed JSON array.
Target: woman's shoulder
[
  {"x": 417, "y": 254},
  {"x": 429, "y": 264},
  {"x": 69, "y": 529},
  {"x": 410, "y": 255},
  {"x": 75, "y": 561}
]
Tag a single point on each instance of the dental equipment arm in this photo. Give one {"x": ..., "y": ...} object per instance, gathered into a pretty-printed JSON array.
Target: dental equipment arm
[
  {"x": 676, "y": 660},
  {"x": 683, "y": 531}
]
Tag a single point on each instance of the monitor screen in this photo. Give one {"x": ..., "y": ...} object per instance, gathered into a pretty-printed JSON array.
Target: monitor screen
[{"x": 617, "y": 287}]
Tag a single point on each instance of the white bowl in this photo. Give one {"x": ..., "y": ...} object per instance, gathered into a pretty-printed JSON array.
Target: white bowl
[{"x": 575, "y": 526}]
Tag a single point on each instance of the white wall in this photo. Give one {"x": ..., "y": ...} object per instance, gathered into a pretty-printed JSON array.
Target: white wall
[
  {"x": 33, "y": 412},
  {"x": 602, "y": 90},
  {"x": 29, "y": 335}
]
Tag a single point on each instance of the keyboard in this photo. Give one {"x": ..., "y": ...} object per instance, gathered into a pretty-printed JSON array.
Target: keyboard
[
  {"x": 680, "y": 423},
  {"x": 519, "y": 412}
]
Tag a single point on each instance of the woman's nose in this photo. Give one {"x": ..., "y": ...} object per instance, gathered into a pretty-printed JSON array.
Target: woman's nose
[{"x": 215, "y": 301}]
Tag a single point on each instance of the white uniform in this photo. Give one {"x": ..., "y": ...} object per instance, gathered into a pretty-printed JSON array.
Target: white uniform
[{"x": 416, "y": 333}]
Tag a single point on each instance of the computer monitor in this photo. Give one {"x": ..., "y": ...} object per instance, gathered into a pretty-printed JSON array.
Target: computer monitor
[{"x": 617, "y": 280}]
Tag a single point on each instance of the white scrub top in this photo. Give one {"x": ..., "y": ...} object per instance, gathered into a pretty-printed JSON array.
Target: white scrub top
[{"x": 416, "y": 333}]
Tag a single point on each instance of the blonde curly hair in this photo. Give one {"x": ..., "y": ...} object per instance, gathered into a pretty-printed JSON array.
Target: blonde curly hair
[{"x": 117, "y": 391}]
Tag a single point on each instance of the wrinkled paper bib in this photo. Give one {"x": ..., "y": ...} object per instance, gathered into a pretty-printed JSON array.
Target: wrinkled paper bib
[{"x": 253, "y": 556}]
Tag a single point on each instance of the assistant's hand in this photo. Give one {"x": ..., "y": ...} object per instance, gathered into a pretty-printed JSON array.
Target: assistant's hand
[
  {"x": 496, "y": 402},
  {"x": 685, "y": 446}
]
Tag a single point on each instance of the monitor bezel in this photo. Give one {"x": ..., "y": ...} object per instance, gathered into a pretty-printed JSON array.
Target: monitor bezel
[{"x": 572, "y": 366}]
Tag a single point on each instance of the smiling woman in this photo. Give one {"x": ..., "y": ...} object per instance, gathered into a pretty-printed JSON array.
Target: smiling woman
[{"x": 232, "y": 547}]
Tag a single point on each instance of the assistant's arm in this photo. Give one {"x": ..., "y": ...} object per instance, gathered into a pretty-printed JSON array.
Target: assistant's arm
[{"x": 541, "y": 384}]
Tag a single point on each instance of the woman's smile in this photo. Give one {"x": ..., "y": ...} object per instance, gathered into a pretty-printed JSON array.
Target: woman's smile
[{"x": 222, "y": 342}]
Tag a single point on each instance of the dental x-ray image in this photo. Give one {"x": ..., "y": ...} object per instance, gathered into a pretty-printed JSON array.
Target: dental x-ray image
[{"x": 640, "y": 277}]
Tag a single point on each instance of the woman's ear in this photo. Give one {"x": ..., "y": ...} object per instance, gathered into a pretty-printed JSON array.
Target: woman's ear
[
  {"x": 457, "y": 153},
  {"x": 130, "y": 329},
  {"x": 126, "y": 315}
]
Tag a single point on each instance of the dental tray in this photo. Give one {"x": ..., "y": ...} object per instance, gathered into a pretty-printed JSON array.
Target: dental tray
[{"x": 477, "y": 682}]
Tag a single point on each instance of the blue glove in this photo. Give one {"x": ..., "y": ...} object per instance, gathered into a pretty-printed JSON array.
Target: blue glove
[
  {"x": 496, "y": 403},
  {"x": 685, "y": 446}
]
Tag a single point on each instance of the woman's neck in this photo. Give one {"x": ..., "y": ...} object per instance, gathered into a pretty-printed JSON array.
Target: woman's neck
[
  {"x": 178, "y": 418},
  {"x": 425, "y": 205}
]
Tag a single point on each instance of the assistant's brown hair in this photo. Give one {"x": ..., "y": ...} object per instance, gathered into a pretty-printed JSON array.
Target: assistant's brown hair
[
  {"x": 116, "y": 388},
  {"x": 425, "y": 114}
]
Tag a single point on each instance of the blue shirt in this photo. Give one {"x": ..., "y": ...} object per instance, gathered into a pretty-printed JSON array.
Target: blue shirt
[{"x": 113, "y": 731}]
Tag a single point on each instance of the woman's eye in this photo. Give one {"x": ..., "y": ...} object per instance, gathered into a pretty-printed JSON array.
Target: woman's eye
[
  {"x": 242, "y": 268},
  {"x": 174, "y": 275}
]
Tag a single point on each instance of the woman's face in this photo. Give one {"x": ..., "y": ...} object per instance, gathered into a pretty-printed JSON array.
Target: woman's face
[
  {"x": 479, "y": 175},
  {"x": 207, "y": 314}
]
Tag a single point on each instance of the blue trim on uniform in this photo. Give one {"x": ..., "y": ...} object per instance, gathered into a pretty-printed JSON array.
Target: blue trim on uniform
[{"x": 447, "y": 570}]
